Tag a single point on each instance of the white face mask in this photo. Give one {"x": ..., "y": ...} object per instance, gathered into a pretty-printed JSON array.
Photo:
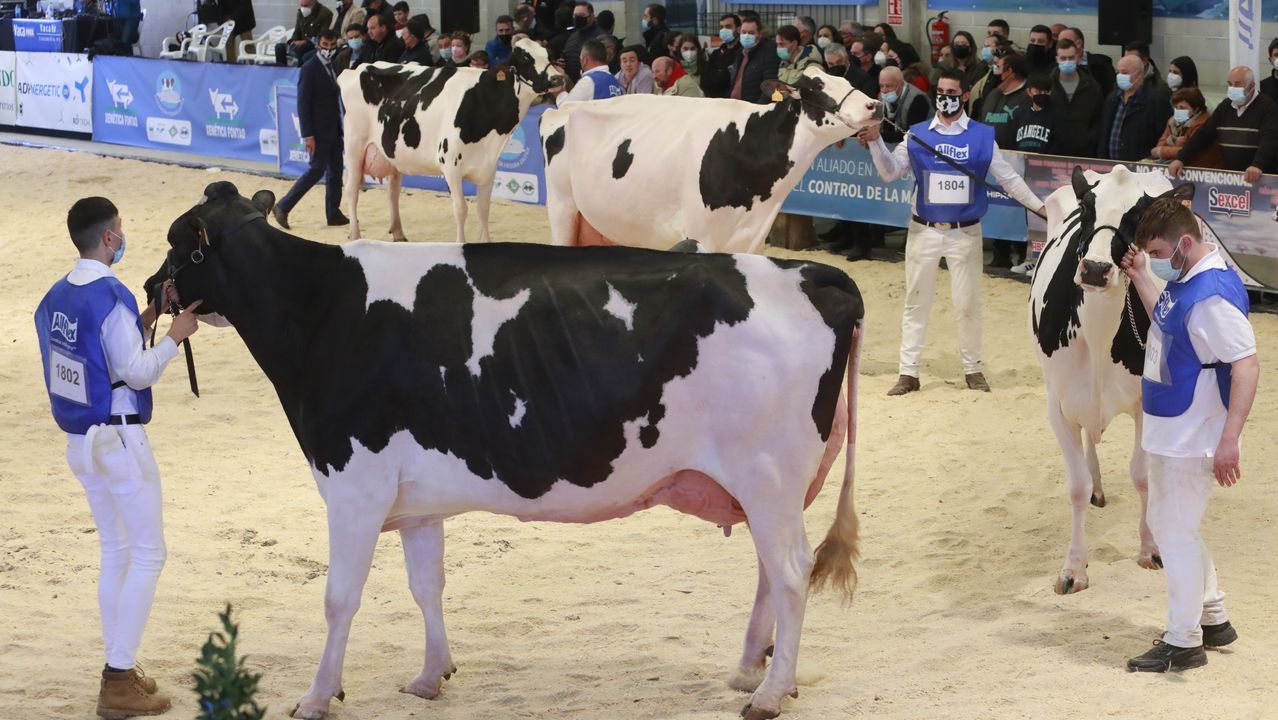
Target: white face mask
[
  {"x": 880, "y": 58},
  {"x": 306, "y": 10}
]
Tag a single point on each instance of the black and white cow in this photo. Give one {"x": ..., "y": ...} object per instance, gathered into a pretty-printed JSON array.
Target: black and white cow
[
  {"x": 450, "y": 121},
  {"x": 566, "y": 384},
  {"x": 651, "y": 170},
  {"x": 1090, "y": 327}
]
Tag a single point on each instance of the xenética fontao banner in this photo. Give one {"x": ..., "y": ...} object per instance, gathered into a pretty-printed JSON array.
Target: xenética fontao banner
[
  {"x": 54, "y": 91},
  {"x": 842, "y": 183},
  {"x": 206, "y": 108}
]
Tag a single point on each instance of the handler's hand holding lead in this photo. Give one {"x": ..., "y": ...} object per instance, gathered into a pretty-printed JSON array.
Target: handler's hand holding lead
[
  {"x": 868, "y": 135},
  {"x": 1225, "y": 464},
  {"x": 1133, "y": 263},
  {"x": 170, "y": 293},
  {"x": 184, "y": 325}
]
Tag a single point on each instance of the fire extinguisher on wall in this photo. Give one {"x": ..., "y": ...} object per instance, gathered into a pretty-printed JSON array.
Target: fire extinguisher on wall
[{"x": 938, "y": 35}]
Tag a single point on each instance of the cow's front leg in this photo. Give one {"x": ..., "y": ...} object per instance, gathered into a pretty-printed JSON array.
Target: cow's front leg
[
  {"x": 456, "y": 191},
  {"x": 1148, "y": 557},
  {"x": 424, "y": 557},
  {"x": 483, "y": 204},
  {"x": 397, "y": 226},
  {"x": 763, "y": 618},
  {"x": 786, "y": 557},
  {"x": 1073, "y": 576},
  {"x": 353, "y": 182},
  {"x": 353, "y": 526}
]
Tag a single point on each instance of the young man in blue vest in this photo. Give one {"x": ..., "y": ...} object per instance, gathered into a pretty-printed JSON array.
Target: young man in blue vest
[
  {"x": 946, "y": 221},
  {"x": 1198, "y": 386},
  {"x": 98, "y": 375},
  {"x": 596, "y": 83}
]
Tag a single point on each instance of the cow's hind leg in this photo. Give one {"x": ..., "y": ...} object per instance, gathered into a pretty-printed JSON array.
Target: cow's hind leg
[
  {"x": 353, "y": 182},
  {"x": 1148, "y": 557},
  {"x": 763, "y": 618},
  {"x": 1073, "y": 576},
  {"x": 456, "y": 191},
  {"x": 1093, "y": 471},
  {"x": 397, "y": 226},
  {"x": 564, "y": 219},
  {"x": 483, "y": 205},
  {"x": 357, "y": 507},
  {"x": 424, "y": 557},
  {"x": 786, "y": 557}
]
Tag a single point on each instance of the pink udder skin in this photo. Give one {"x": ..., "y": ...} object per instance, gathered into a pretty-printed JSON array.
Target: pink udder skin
[{"x": 376, "y": 164}]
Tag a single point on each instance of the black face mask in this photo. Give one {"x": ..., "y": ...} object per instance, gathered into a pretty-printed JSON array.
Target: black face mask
[
  {"x": 580, "y": 21},
  {"x": 1038, "y": 54},
  {"x": 961, "y": 52},
  {"x": 891, "y": 63},
  {"x": 1043, "y": 102},
  {"x": 504, "y": 39}
]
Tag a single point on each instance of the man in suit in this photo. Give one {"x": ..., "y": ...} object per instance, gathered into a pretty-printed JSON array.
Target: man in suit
[{"x": 319, "y": 114}]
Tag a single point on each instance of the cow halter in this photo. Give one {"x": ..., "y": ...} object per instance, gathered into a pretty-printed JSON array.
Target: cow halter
[{"x": 1127, "y": 295}]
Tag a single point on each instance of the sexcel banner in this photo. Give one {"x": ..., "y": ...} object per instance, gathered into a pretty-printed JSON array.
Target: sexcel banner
[
  {"x": 206, "y": 108},
  {"x": 843, "y": 184},
  {"x": 8, "y": 88},
  {"x": 54, "y": 91}
]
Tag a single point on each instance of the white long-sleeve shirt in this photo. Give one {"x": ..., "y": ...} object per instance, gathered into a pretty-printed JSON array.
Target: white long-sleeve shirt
[
  {"x": 892, "y": 164},
  {"x": 584, "y": 89},
  {"x": 127, "y": 357}
]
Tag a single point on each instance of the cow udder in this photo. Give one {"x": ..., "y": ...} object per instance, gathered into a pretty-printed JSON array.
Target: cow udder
[{"x": 376, "y": 164}]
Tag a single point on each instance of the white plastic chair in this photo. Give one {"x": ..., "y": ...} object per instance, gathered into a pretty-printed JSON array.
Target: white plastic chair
[
  {"x": 182, "y": 41},
  {"x": 263, "y": 52},
  {"x": 214, "y": 42}
]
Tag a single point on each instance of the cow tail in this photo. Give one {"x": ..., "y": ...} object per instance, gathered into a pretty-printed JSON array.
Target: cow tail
[{"x": 835, "y": 555}]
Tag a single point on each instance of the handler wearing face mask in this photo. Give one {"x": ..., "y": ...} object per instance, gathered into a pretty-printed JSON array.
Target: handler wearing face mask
[
  {"x": 1197, "y": 389},
  {"x": 1245, "y": 125},
  {"x": 946, "y": 222},
  {"x": 98, "y": 374}
]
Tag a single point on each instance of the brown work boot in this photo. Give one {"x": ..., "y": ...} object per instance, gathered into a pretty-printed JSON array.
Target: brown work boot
[
  {"x": 904, "y": 384},
  {"x": 976, "y": 381},
  {"x": 123, "y": 695},
  {"x": 147, "y": 683}
]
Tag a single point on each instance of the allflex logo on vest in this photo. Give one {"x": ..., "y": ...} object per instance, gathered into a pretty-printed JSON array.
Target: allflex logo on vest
[
  {"x": 64, "y": 325},
  {"x": 954, "y": 152},
  {"x": 1223, "y": 202}
]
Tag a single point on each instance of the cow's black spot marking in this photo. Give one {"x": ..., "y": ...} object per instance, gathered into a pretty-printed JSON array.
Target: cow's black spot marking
[
  {"x": 838, "y": 299},
  {"x": 686, "y": 245},
  {"x": 443, "y": 146},
  {"x": 554, "y": 144},
  {"x": 398, "y": 93},
  {"x": 742, "y": 166},
  {"x": 488, "y": 106},
  {"x": 817, "y": 104},
  {"x": 621, "y": 163},
  {"x": 1056, "y": 322}
]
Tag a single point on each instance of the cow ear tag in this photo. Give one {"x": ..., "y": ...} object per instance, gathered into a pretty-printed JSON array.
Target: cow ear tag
[
  {"x": 777, "y": 96},
  {"x": 501, "y": 76}
]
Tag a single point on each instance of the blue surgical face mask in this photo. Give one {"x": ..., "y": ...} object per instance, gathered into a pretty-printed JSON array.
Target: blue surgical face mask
[
  {"x": 119, "y": 254},
  {"x": 987, "y": 54},
  {"x": 645, "y": 24},
  {"x": 1237, "y": 95},
  {"x": 726, "y": 34},
  {"x": 446, "y": 53},
  {"x": 889, "y": 97},
  {"x": 1068, "y": 67},
  {"x": 1124, "y": 81},
  {"x": 749, "y": 41},
  {"x": 1180, "y": 115},
  {"x": 355, "y": 43},
  {"x": 1164, "y": 268},
  {"x": 783, "y": 53}
]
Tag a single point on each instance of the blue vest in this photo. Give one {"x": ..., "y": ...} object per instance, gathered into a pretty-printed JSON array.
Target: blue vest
[
  {"x": 942, "y": 193},
  {"x": 606, "y": 86},
  {"x": 69, "y": 324},
  {"x": 1173, "y": 358}
]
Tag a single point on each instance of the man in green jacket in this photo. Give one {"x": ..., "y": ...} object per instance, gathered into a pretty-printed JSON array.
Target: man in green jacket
[{"x": 312, "y": 18}]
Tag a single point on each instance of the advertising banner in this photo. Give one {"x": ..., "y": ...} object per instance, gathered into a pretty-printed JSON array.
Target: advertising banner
[
  {"x": 206, "y": 108},
  {"x": 1245, "y": 42},
  {"x": 1200, "y": 9},
  {"x": 1243, "y": 217},
  {"x": 293, "y": 155},
  {"x": 54, "y": 91},
  {"x": 37, "y": 35},
  {"x": 843, "y": 184},
  {"x": 8, "y": 88}
]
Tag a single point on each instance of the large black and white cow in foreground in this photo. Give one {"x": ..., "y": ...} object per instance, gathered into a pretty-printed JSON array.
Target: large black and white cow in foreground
[
  {"x": 652, "y": 170},
  {"x": 566, "y": 384},
  {"x": 450, "y": 121},
  {"x": 1090, "y": 327}
]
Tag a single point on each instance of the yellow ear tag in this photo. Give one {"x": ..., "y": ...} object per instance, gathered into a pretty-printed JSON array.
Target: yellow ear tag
[
  {"x": 501, "y": 76},
  {"x": 777, "y": 96}
]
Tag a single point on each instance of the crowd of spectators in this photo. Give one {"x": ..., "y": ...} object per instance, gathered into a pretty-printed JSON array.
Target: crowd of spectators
[{"x": 1047, "y": 95}]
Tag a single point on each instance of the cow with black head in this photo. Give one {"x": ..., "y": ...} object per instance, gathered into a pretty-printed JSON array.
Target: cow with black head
[
  {"x": 546, "y": 383},
  {"x": 450, "y": 121},
  {"x": 653, "y": 170},
  {"x": 1089, "y": 328}
]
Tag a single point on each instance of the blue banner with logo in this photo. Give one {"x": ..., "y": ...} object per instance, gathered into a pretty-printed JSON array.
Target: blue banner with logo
[
  {"x": 205, "y": 108},
  {"x": 1191, "y": 9},
  {"x": 842, "y": 183},
  {"x": 37, "y": 35},
  {"x": 293, "y": 157}
]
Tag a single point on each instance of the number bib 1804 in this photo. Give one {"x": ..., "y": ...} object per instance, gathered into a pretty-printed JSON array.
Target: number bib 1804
[
  {"x": 66, "y": 377},
  {"x": 948, "y": 189}
]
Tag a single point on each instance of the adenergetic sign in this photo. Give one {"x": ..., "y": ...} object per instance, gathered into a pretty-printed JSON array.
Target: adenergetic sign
[
  {"x": 206, "y": 108},
  {"x": 53, "y": 91}
]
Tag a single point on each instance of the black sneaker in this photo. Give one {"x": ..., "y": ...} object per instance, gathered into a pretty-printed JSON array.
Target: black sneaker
[
  {"x": 1215, "y": 636},
  {"x": 1163, "y": 658}
]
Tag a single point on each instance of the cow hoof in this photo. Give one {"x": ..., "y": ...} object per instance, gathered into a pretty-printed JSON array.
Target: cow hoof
[
  {"x": 1150, "y": 562},
  {"x": 309, "y": 712},
  {"x": 750, "y": 712},
  {"x": 424, "y": 690},
  {"x": 400, "y": 239},
  {"x": 1066, "y": 585},
  {"x": 1098, "y": 499},
  {"x": 747, "y": 679}
]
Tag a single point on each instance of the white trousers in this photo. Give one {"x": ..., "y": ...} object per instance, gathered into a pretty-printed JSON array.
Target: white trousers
[
  {"x": 924, "y": 248},
  {"x": 122, "y": 482},
  {"x": 1179, "y": 489}
]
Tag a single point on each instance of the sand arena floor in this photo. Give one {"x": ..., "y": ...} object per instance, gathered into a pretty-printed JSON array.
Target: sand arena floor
[{"x": 961, "y": 496}]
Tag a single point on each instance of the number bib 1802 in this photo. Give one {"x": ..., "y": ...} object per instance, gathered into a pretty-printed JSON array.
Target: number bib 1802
[
  {"x": 948, "y": 189},
  {"x": 66, "y": 377}
]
